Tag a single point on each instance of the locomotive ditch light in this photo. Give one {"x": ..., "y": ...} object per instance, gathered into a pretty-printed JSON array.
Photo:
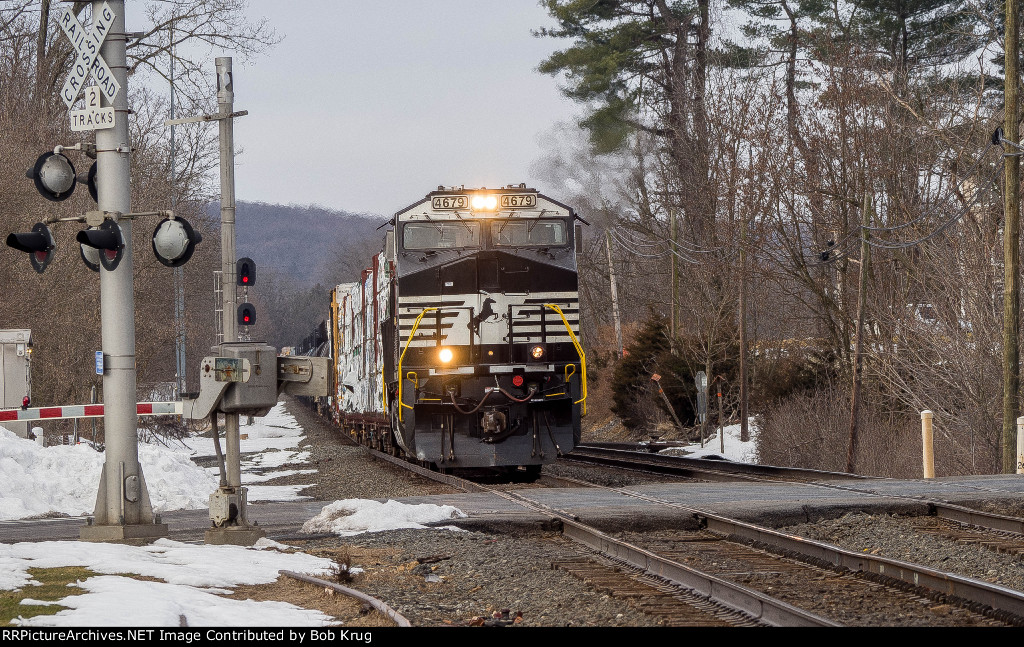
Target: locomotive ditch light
[
  {"x": 174, "y": 240},
  {"x": 54, "y": 176},
  {"x": 484, "y": 203},
  {"x": 107, "y": 240},
  {"x": 537, "y": 352},
  {"x": 38, "y": 243},
  {"x": 445, "y": 355}
]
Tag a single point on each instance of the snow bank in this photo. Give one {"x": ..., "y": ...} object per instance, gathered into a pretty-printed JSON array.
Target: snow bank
[
  {"x": 354, "y": 516},
  {"x": 36, "y": 480}
]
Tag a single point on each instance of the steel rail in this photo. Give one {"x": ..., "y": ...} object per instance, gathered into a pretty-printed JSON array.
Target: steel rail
[
  {"x": 379, "y": 605},
  {"x": 986, "y": 520}
]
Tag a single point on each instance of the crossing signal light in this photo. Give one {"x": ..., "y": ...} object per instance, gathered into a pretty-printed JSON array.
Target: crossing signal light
[
  {"x": 245, "y": 271},
  {"x": 174, "y": 240},
  {"x": 54, "y": 176},
  {"x": 246, "y": 314},
  {"x": 106, "y": 240},
  {"x": 38, "y": 243}
]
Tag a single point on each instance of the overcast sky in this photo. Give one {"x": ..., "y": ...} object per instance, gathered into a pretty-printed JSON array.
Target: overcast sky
[{"x": 367, "y": 106}]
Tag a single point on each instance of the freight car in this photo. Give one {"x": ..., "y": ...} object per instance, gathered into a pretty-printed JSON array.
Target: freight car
[{"x": 459, "y": 346}]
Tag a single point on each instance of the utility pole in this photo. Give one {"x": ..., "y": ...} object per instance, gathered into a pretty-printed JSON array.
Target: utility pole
[
  {"x": 179, "y": 272},
  {"x": 865, "y": 259},
  {"x": 674, "y": 320},
  {"x": 1011, "y": 247},
  {"x": 744, "y": 432},
  {"x": 123, "y": 509},
  {"x": 615, "y": 293}
]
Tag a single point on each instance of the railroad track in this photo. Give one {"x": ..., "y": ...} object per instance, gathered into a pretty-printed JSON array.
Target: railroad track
[
  {"x": 988, "y": 528},
  {"x": 742, "y": 596},
  {"x": 632, "y": 457}
]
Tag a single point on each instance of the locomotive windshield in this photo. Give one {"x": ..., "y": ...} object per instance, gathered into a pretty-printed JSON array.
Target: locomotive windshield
[
  {"x": 440, "y": 235},
  {"x": 526, "y": 233}
]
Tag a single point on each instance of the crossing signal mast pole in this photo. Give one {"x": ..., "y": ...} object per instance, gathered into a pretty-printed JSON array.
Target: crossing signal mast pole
[
  {"x": 238, "y": 530},
  {"x": 123, "y": 509}
]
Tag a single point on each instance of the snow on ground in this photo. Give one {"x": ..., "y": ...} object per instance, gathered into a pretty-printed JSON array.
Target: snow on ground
[
  {"x": 37, "y": 480},
  {"x": 735, "y": 449},
  {"x": 193, "y": 577},
  {"x": 63, "y": 479},
  {"x": 354, "y": 516},
  {"x": 269, "y": 442}
]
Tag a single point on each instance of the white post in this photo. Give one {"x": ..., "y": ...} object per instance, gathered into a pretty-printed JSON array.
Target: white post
[
  {"x": 926, "y": 442},
  {"x": 1020, "y": 445}
]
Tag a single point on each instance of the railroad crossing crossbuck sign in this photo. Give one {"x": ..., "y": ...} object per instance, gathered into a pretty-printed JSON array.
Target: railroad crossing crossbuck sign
[{"x": 88, "y": 61}]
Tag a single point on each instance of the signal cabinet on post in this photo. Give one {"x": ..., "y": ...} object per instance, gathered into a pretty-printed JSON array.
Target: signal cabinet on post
[{"x": 15, "y": 374}]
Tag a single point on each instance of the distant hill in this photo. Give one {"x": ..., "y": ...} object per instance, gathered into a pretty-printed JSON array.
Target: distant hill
[{"x": 306, "y": 244}]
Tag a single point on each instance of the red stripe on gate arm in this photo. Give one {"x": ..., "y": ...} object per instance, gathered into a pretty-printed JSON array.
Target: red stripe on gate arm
[
  {"x": 143, "y": 408},
  {"x": 94, "y": 409},
  {"x": 51, "y": 412},
  {"x": 9, "y": 415}
]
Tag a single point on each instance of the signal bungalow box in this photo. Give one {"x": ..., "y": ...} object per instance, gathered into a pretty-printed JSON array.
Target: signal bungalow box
[
  {"x": 15, "y": 373},
  {"x": 256, "y": 393}
]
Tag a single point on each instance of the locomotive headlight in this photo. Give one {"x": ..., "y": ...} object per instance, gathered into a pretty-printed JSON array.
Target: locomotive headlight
[
  {"x": 445, "y": 355},
  {"x": 537, "y": 352},
  {"x": 484, "y": 203}
]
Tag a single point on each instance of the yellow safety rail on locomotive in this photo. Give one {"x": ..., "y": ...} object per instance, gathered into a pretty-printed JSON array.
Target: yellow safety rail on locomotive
[
  {"x": 401, "y": 359},
  {"x": 579, "y": 350}
]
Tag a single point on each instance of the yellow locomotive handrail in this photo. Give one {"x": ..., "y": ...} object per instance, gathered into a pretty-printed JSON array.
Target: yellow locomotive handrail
[
  {"x": 579, "y": 350},
  {"x": 401, "y": 359}
]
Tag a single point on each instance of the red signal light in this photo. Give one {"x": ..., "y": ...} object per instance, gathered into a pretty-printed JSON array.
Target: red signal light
[
  {"x": 517, "y": 380},
  {"x": 246, "y": 314},
  {"x": 245, "y": 272}
]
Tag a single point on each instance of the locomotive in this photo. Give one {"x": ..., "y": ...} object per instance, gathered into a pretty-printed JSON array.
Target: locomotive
[{"x": 459, "y": 346}]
